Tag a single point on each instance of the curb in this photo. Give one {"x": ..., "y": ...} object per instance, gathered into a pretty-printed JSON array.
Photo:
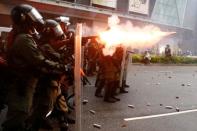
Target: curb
[{"x": 139, "y": 64}]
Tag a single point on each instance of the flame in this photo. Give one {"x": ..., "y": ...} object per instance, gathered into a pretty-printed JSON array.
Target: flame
[{"x": 129, "y": 36}]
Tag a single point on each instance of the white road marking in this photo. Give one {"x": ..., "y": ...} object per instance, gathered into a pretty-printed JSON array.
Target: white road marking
[{"x": 160, "y": 115}]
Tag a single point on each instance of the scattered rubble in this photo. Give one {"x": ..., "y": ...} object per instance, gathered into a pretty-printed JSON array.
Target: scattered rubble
[
  {"x": 131, "y": 106},
  {"x": 169, "y": 107},
  {"x": 188, "y": 84},
  {"x": 148, "y": 104},
  {"x": 158, "y": 83},
  {"x": 177, "y": 97},
  {"x": 123, "y": 125},
  {"x": 85, "y": 101},
  {"x": 92, "y": 112},
  {"x": 177, "y": 109},
  {"x": 97, "y": 126},
  {"x": 182, "y": 84}
]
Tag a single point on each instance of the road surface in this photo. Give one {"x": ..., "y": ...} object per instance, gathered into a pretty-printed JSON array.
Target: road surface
[{"x": 153, "y": 90}]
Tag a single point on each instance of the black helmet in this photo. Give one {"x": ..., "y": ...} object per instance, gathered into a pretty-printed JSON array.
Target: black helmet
[
  {"x": 23, "y": 14},
  {"x": 53, "y": 29}
]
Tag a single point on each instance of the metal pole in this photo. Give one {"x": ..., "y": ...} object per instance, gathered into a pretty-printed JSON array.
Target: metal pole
[{"x": 78, "y": 76}]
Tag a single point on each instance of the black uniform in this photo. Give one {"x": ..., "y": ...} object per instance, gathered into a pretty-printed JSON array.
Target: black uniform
[{"x": 26, "y": 62}]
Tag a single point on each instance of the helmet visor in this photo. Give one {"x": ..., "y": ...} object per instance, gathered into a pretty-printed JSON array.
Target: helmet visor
[
  {"x": 36, "y": 16},
  {"x": 58, "y": 30}
]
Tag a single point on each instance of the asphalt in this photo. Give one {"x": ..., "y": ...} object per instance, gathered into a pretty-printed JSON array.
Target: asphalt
[{"x": 152, "y": 88}]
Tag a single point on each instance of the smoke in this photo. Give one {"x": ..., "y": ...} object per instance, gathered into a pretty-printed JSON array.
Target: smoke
[
  {"x": 92, "y": 31},
  {"x": 128, "y": 35},
  {"x": 113, "y": 21}
]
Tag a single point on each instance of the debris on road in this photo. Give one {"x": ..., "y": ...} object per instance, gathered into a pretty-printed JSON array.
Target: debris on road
[
  {"x": 161, "y": 104},
  {"x": 177, "y": 97},
  {"x": 182, "y": 84},
  {"x": 177, "y": 109},
  {"x": 169, "y": 77},
  {"x": 131, "y": 106},
  {"x": 92, "y": 112},
  {"x": 123, "y": 125},
  {"x": 169, "y": 107},
  {"x": 148, "y": 104},
  {"x": 85, "y": 101},
  {"x": 158, "y": 83},
  {"x": 188, "y": 84},
  {"x": 97, "y": 126}
]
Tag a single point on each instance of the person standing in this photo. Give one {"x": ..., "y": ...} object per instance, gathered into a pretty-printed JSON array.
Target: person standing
[
  {"x": 48, "y": 87},
  {"x": 168, "y": 51},
  {"x": 100, "y": 79},
  {"x": 26, "y": 61}
]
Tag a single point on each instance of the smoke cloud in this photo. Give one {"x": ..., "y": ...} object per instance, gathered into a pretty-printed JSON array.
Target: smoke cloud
[{"x": 128, "y": 35}]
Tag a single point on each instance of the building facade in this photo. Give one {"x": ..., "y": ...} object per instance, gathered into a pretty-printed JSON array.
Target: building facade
[{"x": 169, "y": 15}]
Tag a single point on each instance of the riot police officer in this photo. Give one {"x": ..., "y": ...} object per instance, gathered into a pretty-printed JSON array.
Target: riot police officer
[
  {"x": 69, "y": 40},
  {"x": 27, "y": 62},
  {"x": 48, "y": 93},
  {"x": 64, "y": 22}
]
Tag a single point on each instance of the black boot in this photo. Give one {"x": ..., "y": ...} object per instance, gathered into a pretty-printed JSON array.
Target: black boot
[
  {"x": 122, "y": 90},
  {"x": 110, "y": 100},
  {"x": 117, "y": 99},
  {"x": 98, "y": 95},
  {"x": 124, "y": 84},
  {"x": 70, "y": 120},
  {"x": 100, "y": 85},
  {"x": 43, "y": 124},
  {"x": 63, "y": 126}
]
